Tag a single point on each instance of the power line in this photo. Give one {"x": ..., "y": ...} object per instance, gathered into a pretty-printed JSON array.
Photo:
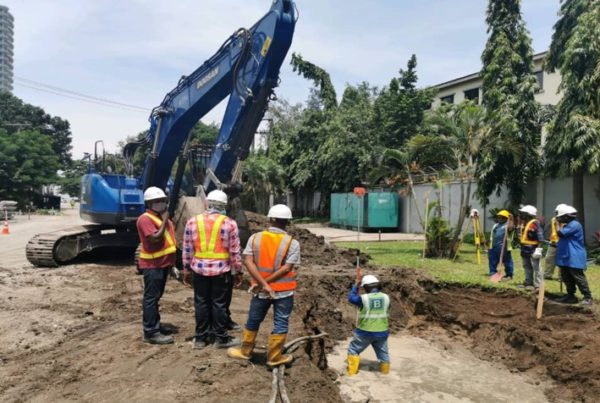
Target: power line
[{"x": 71, "y": 94}]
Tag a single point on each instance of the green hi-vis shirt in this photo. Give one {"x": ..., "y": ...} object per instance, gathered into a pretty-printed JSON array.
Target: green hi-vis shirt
[{"x": 373, "y": 316}]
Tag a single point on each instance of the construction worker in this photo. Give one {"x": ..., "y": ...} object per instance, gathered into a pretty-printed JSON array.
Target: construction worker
[
  {"x": 270, "y": 257},
  {"x": 531, "y": 239},
  {"x": 501, "y": 244},
  {"x": 372, "y": 326},
  {"x": 211, "y": 251},
  {"x": 157, "y": 256},
  {"x": 550, "y": 259},
  {"x": 571, "y": 255}
]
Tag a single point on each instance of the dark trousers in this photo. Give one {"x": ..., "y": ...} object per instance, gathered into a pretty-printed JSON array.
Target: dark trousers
[
  {"x": 229, "y": 298},
  {"x": 154, "y": 287},
  {"x": 575, "y": 277},
  {"x": 210, "y": 300}
]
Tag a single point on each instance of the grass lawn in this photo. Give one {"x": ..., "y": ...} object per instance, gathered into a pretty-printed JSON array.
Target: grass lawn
[{"x": 464, "y": 269}]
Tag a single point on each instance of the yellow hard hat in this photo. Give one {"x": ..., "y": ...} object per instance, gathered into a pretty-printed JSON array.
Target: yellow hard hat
[{"x": 503, "y": 213}]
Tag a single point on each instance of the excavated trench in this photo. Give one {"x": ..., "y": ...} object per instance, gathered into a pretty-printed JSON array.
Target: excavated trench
[{"x": 558, "y": 353}]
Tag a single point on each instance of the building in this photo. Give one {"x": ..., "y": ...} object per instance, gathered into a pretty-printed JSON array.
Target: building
[
  {"x": 545, "y": 193},
  {"x": 6, "y": 49},
  {"x": 469, "y": 87}
]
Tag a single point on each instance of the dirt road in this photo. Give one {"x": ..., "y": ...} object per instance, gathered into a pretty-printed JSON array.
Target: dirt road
[{"x": 74, "y": 334}]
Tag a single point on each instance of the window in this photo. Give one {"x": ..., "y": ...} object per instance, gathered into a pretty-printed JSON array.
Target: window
[
  {"x": 448, "y": 99},
  {"x": 539, "y": 76},
  {"x": 472, "y": 95}
]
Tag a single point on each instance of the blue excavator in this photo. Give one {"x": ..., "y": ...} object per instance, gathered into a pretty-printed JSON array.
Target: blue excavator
[{"x": 245, "y": 68}]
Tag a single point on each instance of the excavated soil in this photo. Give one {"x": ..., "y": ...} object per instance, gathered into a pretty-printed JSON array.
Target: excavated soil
[{"x": 74, "y": 333}]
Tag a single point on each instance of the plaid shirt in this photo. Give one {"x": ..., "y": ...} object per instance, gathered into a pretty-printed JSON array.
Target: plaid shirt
[{"x": 212, "y": 267}]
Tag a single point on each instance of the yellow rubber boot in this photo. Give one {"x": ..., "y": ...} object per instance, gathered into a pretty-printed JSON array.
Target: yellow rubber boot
[
  {"x": 353, "y": 361},
  {"x": 275, "y": 349},
  {"x": 384, "y": 367},
  {"x": 244, "y": 351}
]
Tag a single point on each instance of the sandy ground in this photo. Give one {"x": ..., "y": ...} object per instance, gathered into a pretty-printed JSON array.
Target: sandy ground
[{"x": 74, "y": 334}]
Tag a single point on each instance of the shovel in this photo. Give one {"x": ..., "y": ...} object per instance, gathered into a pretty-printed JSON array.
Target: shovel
[{"x": 500, "y": 269}]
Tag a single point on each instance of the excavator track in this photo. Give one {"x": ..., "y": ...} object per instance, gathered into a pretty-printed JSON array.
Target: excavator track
[{"x": 53, "y": 249}]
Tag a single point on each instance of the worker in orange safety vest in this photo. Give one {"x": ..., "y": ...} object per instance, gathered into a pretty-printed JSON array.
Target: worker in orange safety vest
[
  {"x": 157, "y": 256},
  {"x": 271, "y": 258}
]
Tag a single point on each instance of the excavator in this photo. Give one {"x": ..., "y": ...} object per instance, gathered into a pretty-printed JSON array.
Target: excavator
[{"x": 245, "y": 68}]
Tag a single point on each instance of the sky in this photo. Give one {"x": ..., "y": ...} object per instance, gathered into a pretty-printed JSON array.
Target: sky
[{"x": 134, "y": 51}]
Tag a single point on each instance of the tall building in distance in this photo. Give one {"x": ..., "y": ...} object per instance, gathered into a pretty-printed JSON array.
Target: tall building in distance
[{"x": 6, "y": 49}]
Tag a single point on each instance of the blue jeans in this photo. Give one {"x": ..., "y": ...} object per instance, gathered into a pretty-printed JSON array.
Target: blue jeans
[
  {"x": 494, "y": 259},
  {"x": 359, "y": 343},
  {"x": 282, "y": 309}
]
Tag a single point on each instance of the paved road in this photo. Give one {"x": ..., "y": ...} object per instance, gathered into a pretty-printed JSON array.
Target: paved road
[
  {"x": 22, "y": 228},
  {"x": 343, "y": 235}
]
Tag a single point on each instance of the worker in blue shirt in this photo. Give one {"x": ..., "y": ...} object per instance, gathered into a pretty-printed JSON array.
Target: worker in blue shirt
[
  {"x": 372, "y": 324},
  {"x": 501, "y": 244},
  {"x": 571, "y": 255}
]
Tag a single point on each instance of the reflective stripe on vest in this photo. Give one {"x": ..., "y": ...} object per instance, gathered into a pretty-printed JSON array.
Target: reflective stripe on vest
[
  {"x": 210, "y": 248},
  {"x": 524, "y": 237},
  {"x": 168, "y": 246},
  {"x": 509, "y": 239},
  {"x": 553, "y": 232},
  {"x": 269, "y": 250},
  {"x": 373, "y": 316}
]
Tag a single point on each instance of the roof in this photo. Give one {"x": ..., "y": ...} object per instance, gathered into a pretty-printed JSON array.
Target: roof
[{"x": 475, "y": 76}]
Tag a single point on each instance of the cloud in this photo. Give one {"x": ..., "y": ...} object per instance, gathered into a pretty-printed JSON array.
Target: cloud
[{"x": 135, "y": 51}]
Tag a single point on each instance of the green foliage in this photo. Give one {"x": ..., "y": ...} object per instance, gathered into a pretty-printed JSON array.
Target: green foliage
[
  {"x": 263, "y": 177},
  {"x": 438, "y": 234},
  {"x": 400, "y": 107},
  {"x": 16, "y": 116},
  {"x": 321, "y": 79},
  {"x": 70, "y": 180},
  {"x": 508, "y": 95},
  {"x": 27, "y": 161}
]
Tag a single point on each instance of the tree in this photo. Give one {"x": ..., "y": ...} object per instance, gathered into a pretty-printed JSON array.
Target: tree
[
  {"x": 508, "y": 95},
  {"x": 27, "y": 162},
  {"x": 573, "y": 143},
  {"x": 400, "y": 107},
  {"x": 16, "y": 116},
  {"x": 70, "y": 180},
  {"x": 263, "y": 177}
]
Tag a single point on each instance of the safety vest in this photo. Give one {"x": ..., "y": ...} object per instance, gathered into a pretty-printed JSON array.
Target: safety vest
[
  {"x": 373, "y": 316},
  {"x": 168, "y": 245},
  {"x": 509, "y": 239},
  {"x": 524, "y": 238},
  {"x": 269, "y": 250},
  {"x": 209, "y": 244},
  {"x": 553, "y": 232}
]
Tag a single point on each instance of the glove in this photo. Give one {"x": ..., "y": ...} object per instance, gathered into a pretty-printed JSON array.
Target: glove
[{"x": 176, "y": 273}]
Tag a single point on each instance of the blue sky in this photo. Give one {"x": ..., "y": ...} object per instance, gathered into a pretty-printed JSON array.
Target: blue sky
[{"x": 134, "y": 51}]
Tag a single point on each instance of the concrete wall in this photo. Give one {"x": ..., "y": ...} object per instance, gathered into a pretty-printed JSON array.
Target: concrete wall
[{"x": 545, "y": 195}]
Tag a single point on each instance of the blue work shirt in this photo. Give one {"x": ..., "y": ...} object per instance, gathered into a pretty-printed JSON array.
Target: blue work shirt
[
  {"x": 570, "y": 250},
  {"x": 354, "y": 299},
  {"x": 498, "y": 236}
]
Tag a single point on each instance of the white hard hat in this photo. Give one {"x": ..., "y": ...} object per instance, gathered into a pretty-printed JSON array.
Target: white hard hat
[
  {"x": 153, "y": 193},
  {"x": 565, "y": 210},
  {"x": 559, "y": 207},
  {"x": 368, "y": 280},
  {"x": 217, "y": 196},
  {"x": 474, "y": 213},
  {"x": 532, "y": 211},
  {"x": 280, "y": 211}
]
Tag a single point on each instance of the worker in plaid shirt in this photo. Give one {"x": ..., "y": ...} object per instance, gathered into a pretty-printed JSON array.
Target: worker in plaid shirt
[{"x": 212, "y": 261}]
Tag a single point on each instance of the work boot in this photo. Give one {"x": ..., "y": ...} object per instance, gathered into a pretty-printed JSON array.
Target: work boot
[
  {"x": 245, "y": 351},
  {"x": 200, "y": 344},
  {"x": 227, "y": 342},
  {"x": 587, "y": 302},
  {"x": 353, "y": 361},
  {"x": 275, "y": 350},
  {"x": 158, "y": 338},
  {"x": 568, "y": 299},
  {"x": 165, "y": 330},
  {"x": 507, "y": 278},
  {"x": 384, "y": 367},
  {"x": 234, "y": 327}
]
